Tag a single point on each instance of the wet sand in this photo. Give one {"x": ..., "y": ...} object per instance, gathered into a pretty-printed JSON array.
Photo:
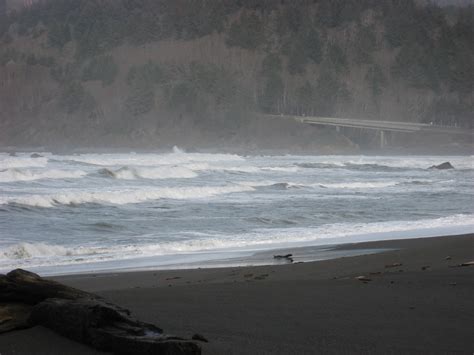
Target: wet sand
[{"x": 423, "y": 306}]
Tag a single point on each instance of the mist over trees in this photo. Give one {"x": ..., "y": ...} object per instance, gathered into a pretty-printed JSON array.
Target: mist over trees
[{"x": 347, "y": 58}]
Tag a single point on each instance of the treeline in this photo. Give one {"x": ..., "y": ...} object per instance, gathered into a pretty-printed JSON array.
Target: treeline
[{"x": 431, "y": 50}]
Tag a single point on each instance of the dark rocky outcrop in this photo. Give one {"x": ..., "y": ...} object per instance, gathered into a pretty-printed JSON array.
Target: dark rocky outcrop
[
  {"x": 28, "y": 300},
  {"x": 443, "y": 166}
]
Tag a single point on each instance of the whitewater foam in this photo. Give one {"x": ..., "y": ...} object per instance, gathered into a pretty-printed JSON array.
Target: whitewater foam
[
  {"x": 163, "y": 172},
  {"x": 40, "y": 254},
  {"x": 150, "y": 160},
  {"x": 17, "y": 174},
  {"x": 7, "y": 162},
  {"x": 123, "y": 197},
  {"x": 360, "y": 185}
]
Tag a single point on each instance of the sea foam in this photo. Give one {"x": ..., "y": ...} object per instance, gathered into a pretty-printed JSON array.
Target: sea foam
[
  {"x": 123, "y": 197},
  {"x": 17, "y": 174},
  {"x": 163, "y": 172}
]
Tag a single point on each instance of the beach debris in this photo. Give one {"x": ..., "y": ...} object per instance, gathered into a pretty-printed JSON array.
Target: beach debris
[
  {"x": 199, "y": 337},
  {"x": 27, "y": 300},
  {"x": 363, "y": 278},
  {"x": 393, "y": 265},
  {"x": 287, "y": 257},
  {"x": 469, "y": 263},
  {"x": 443, "y": 166}
]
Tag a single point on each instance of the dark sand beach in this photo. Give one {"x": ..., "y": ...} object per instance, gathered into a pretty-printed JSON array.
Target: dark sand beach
[{"x": 423, "y": 306}]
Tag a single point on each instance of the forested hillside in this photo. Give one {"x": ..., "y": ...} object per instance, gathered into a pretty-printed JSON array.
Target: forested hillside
[{"x": 156, "y": 71}]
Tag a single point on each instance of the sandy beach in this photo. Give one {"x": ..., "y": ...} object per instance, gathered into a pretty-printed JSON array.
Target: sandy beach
[{"x": 425, "y": 305}]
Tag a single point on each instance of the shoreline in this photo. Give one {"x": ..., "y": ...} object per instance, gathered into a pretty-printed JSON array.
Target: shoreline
[
  {"x": 424, "y": 305},
  {"x": 317, "y": 250},
  {"x": 330, "y": 253}
]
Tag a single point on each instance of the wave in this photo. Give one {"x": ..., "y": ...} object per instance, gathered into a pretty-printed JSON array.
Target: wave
[
  {"x": 8, "y": 162},
  {"x": 38, "y": 254},
  {"x": 16, "y": 174},
  {"x": 122, "y": 197},
  {"x": 164, "y": 172},
  {"x": 387, "y": 164},
  {"x": 349, "y": 185},
  {"x": 359, "y": 185},
  {"x": 31, "y": 250},
  {"x": 149, "y": 159}
]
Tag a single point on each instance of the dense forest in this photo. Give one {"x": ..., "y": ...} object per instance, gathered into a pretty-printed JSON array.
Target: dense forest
[{"x": 154, "y": 68}]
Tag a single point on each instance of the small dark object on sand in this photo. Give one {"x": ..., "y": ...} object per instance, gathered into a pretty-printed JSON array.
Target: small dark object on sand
[
  {"x": 425, "y": 267},
  {"x": 393, "y": 265},
  {"x": 287, "y": 257},
  {"x": 199, "y": 337},
  {"x": 443, "y": 166},
  {"x": 469, "y": 263}
]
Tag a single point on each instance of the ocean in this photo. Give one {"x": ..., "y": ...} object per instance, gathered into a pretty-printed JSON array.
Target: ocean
[{"x": 62, "y": 214}]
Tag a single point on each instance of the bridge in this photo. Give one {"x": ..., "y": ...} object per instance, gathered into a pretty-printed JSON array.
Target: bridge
[{"x": 380, "y": 126}]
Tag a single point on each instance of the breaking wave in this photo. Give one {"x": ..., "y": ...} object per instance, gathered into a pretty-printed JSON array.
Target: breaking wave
[
  {"x": 164, "y": 172},
  {"x": 122, "y": 197},
  {"x": 175, "y": 158},
  {"x": 16, "y": 174},
  {"x": 8, "y": 162},
  {"x": 36, "y": 254},
  {"x": 360, "y": 185}
]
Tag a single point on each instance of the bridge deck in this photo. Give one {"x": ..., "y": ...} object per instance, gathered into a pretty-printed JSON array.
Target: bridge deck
[{"x": 395, "y": 126}]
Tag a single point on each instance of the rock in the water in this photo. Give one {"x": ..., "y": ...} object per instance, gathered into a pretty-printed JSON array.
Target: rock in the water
[
  {"x": 443, "y": 166},
  {"x": 30, "y": 300},
  {"x": 36, "y": 155}
]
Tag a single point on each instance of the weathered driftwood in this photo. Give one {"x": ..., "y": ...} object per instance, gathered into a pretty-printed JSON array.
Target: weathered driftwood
[
  {"x": 27, "y": 287},
  {"x": 30, "y": 300},
  {"x": 14, "y": 316}
]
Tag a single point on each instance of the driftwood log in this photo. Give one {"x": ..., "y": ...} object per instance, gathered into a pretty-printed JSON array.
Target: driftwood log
[{"x": 27, "y": 300}]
